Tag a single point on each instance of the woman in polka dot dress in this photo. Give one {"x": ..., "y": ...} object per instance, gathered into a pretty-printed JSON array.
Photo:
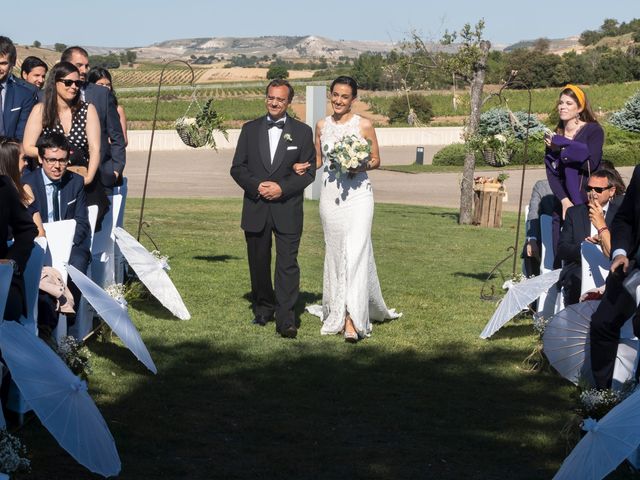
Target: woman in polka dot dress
[{"x": 64, "y": 112}]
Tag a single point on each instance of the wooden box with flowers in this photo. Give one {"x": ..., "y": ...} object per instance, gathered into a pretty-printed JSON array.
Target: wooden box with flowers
[{"x": 489, "y": 193}]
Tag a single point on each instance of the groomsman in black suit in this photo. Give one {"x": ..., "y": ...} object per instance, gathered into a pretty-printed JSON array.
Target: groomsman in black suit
[
  {"x": 16, "y": 99},
  {"x": 617, "y": 304},
  {"x": 14, "y": 216},
  {"x": 112, "y": 149},
  {"x": 273, "y": 197}
]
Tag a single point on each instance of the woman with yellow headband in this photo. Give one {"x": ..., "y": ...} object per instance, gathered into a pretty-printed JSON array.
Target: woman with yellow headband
[{"x": 575, "y": 149}]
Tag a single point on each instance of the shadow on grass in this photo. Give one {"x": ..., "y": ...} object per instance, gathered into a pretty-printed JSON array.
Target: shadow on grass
[
  {"x": 216, "y": 258},
  {"x": 477, "y": 276},
  {"x": 325, "y": 411},
  {"x": 449, "y": 215},
  {"x": 149, "y": 305}
]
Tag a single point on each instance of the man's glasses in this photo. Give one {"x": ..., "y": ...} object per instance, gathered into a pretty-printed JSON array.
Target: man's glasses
[
  {"x": 597, "y": 189},
  {"x": 67, "y": 83},
  {"x": 51, "y": 161}
]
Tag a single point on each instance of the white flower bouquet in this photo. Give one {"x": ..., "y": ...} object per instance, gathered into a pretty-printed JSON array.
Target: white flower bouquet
[
  {"x": 349, "y": 153},
  {"x": 12, "y": 454},
  {"x": 76, "y": 355}
]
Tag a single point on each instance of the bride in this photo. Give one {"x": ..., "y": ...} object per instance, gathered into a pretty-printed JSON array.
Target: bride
[{"x": 351, "y": 295}]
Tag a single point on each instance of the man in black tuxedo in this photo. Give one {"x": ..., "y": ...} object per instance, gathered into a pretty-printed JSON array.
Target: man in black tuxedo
[
  {"x": 16, "y": 99},
  {"x": 60, "y": 195},
  {"x": 14, "y": 215},
  {"x": 273, "y": 197},
  {"x": 112, "y": 149},
  {"x": 617, "y": 304},
  {"x": 586, "y": 222}
]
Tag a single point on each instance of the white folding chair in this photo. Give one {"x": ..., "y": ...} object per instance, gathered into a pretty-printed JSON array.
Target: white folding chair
[
  {"x": 60, "y": 240},
  {"x": 595, "y": 267},
  {"x": 31, "y": 276},
  {"x": 119, "y": 203}
]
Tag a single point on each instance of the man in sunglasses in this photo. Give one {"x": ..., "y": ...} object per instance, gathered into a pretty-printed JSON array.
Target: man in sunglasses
[
  {"x": 16, "y": 99},
  {"x": 586, "y": 222},
  {"x": 60, "y": 195},
  {"x": 112, "y": 150}
]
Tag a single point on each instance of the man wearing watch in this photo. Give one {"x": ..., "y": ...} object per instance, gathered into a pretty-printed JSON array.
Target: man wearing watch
[{"x": 15, "y": 216}]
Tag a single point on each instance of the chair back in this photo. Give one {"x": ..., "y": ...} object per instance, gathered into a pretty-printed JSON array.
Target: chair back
[
  {"x": 547, "y": 252},
  {"x": 31, "y": 276},
  {"x": 60, "y": 240}
]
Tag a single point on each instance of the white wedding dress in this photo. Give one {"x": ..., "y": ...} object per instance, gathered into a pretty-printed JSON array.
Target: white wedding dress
[{"x": 350, "y": 279}]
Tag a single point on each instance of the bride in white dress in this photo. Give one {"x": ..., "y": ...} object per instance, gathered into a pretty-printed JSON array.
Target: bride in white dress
[{"x": 351, "y": 295}]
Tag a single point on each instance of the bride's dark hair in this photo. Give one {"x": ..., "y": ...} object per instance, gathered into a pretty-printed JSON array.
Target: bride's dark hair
[{"x": 344, "y": 80}]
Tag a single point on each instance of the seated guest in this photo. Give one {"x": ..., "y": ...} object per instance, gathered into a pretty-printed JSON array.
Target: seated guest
[
  {"x": 12, "y": 164},
  {"x": 14, "y": 216},
  {"x": 586, "y": 222},
  {"x": 542, "y": 202},
  {"x": 60, "y": 196},
  {"x": 33, "y": 71}
]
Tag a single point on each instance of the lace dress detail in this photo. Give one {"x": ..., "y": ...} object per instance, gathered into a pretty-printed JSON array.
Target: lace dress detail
[{"x": 350, "y": 279}]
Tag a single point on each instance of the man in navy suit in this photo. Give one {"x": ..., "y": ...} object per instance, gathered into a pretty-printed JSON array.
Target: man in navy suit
[
  {"x": 16, "y": 99},
  {"x": 586, "y": 222},
  {"x": 273, "y": 197},
  {"x": 60, "y": 195},
  {"x": 112, "y": 149}
]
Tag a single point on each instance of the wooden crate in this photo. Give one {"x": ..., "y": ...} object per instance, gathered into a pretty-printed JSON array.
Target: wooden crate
[{"x": 487, "y": 205}]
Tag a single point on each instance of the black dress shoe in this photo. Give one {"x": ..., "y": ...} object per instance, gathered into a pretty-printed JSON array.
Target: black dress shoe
[
  {"x": 289, "y": 331},
  {"x": 261, "y": 320}
]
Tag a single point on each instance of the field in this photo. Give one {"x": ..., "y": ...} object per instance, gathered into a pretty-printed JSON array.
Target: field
[{"x": 424, "y": 397}]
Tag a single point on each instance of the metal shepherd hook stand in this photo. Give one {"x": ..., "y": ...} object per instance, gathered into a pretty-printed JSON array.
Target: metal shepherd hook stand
[
  {"x": 511, "y": 82},
  {"x": 153, "y": 131}
]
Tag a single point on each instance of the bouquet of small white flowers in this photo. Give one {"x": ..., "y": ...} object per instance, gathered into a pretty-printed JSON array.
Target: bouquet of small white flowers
[
  {"x": 351, "y": 151},
  {"x": 163, "y": 260},
  {"x": 76, "y": 355},
  {"x": 12, "y": 454},
  {"x": 117, "y": 291}
]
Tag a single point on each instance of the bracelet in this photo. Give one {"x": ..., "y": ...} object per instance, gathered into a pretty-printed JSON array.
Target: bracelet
[{"x": 600, "y": 230}]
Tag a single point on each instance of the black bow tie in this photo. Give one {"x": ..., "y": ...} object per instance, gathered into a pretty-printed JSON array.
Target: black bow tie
[{"x": 271, "y": 123}]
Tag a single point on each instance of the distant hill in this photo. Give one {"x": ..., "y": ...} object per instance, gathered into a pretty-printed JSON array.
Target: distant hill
[{"x": 556, "y": 45}]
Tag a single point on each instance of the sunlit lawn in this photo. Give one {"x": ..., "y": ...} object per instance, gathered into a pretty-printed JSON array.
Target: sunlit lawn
[{"x": 424, "y": 397}]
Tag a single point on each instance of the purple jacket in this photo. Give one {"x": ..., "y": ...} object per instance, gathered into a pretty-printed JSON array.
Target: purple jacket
[{"x": 568, "y": 168}]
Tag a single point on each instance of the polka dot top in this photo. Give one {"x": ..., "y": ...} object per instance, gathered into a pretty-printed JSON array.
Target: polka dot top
[{"x": 77, "y": 136}]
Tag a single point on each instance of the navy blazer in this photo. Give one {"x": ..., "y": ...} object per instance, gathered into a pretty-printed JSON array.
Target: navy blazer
[
  {"x": 252, "y": 165},
  {"x": 73, "y": 206},
  {"x": 112, "y": 149},
  {"x": 18, "y": 102},
  {"x": 577, "y": 227}
]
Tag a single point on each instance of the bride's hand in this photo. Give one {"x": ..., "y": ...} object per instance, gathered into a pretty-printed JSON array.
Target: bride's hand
[{"x": 301, "y": 168}]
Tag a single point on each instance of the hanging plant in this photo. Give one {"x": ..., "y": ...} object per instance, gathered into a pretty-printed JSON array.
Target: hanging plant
[{"x": 200, "y": 131}]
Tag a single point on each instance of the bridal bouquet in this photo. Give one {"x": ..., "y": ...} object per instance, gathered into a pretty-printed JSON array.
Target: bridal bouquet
[{"x": 350, "y": 152}]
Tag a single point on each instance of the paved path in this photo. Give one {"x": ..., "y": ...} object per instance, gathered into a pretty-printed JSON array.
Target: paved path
[{"x": 205, "y": 174}]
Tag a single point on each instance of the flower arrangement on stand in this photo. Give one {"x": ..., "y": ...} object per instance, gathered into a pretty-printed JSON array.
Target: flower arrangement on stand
[
  {"x": 497, "y": 149},
  {"x": 199, "y": 131},
  {"x": 12, "y": 454}
]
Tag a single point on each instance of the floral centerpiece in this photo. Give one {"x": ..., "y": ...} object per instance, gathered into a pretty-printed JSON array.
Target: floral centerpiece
[
  {"x": 350, "y": 152},
  {"x": 12, "y": 454},
  {"x": 199, "y": 131}
]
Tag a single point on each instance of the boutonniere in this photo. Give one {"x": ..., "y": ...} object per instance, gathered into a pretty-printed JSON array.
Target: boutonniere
[{"x": 287, "y": 137}]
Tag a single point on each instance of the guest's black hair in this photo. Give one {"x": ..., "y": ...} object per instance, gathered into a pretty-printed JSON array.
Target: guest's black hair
[
  {"x": 53, "y": 140},
  {"x": 9, "y": 159},
  {"x": 30, "y": 63},
  {"x": 66, "y": 55},
  {"x": 50, "y": 110},
  {"x": 280, "y": 82},
  {"x": 9, "y": 49},
  {"x": 344, "y": 80},
  {"x": 98, "y": 73}
]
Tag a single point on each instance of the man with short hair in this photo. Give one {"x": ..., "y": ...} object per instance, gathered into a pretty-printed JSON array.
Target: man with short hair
[
  {"x": 112, "y": 147},
  {"x": 273, "y": 196},
  {"x": 16, "y": 99},
  {"x": 586, "y": 222},
  {"x": 60, "y": 195}
]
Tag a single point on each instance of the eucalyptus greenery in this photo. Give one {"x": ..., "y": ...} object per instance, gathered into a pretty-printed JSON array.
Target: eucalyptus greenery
[{"x": 199, "y": 131}]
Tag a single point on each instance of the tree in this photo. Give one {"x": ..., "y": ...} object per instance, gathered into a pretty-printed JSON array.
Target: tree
[
  {"x": 60, "y": 47},
  {"x": 367, "y": 71},
  {"x": 277, "y": 71},
  {"x": 542, "y": 45},
  {"x": 609, "y": 27},
  {"x": 403, "y": 105},
  {"x": 131, "y": 56},
  {"x": 469, "y": 63},
  {"x": 36, "y": 44}
]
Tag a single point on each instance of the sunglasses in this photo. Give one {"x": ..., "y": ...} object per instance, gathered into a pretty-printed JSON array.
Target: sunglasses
[
  {"x": 67, "y": 83},
  {"x": 597, "y": 189}
]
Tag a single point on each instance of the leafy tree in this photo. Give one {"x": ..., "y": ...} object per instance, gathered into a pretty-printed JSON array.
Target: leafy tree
[
  {"x": 542, "y": 45},
  {"x": 368, "y": 71},
  {"x": 131, "y": 56},
  {"x": 37, "y": 44},
  {"x": 277, "y": 71},
  {"x": 400, "y": 107},
  {"x": 59, "y": 47},
  {"x": 609, "y": 27},
  {"x": 590, "y": 37},
  {"x": 109, "y": 61}
]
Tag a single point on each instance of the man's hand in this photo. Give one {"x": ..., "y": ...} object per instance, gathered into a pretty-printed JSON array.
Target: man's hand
[
  {"x": 532, "y": 249},
  {"x": 620, "y": 260},
  {"x": 117, "y": 175},
  {"x": 566, "y": 204},
  {"x": 270, "y": 190}
]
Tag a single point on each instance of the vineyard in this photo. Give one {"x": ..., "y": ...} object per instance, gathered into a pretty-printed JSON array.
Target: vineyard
[{"x": 147, "y": 77}]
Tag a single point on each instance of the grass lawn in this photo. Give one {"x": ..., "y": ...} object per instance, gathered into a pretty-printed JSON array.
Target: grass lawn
[{"x": 424, "y": 397}]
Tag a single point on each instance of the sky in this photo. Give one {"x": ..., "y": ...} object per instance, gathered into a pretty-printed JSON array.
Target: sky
[{"x": 135, "y": 23}]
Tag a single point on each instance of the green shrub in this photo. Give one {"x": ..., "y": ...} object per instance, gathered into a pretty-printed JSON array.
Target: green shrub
[
  {"x": 621, "y": 155},
  {"x": 399, "y": 108},
  {"x": 454, "y": 155},
  {"x": 496, "y": 121},
  {"x": 450, "y": 155},
  {"x": 628, "y": 118}
]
